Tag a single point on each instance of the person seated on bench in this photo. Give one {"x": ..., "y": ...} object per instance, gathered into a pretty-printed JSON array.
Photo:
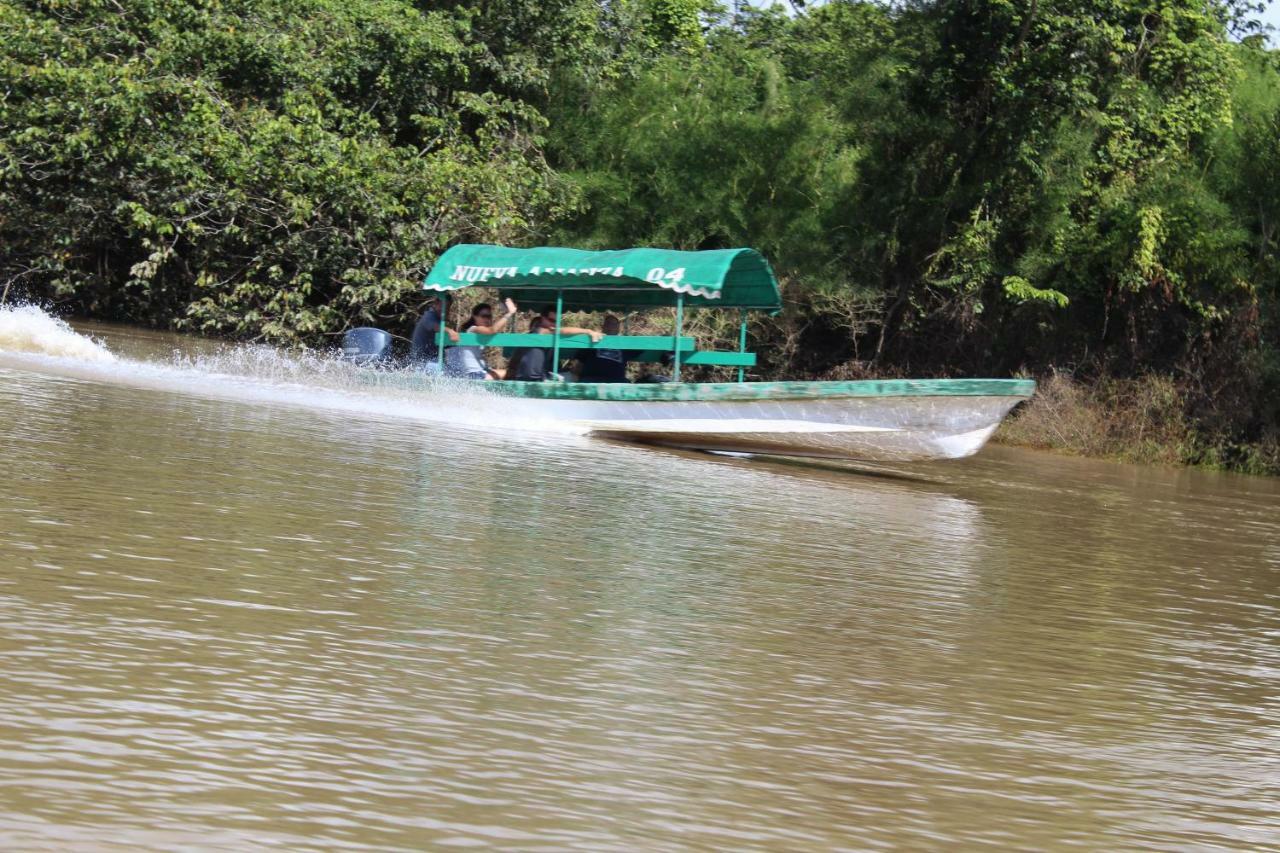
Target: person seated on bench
[
  {"x": 605, "y": 365},
  {"x": 468, "y": 362},
  {"x": 532, "y": 364},
  {"x": 424, "y": 352}
]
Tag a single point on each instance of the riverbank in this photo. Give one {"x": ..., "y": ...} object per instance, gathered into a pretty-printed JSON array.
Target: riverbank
[{"x": 1142, "y": 420}]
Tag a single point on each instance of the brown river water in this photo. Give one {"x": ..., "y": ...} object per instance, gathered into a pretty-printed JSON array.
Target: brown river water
[{"x": 243, "y": 606}]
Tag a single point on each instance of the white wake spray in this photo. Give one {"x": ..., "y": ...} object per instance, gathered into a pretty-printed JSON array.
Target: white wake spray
[
  {"x": 27, "y": 329},
  {"x": 31, "y": 339}
]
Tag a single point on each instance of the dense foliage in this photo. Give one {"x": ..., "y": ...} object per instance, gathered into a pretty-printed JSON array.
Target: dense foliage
[
  {"x": 268, "y": 168},
  {"x": 945, "y": 186},
  {"x": 973, "y": 187}
]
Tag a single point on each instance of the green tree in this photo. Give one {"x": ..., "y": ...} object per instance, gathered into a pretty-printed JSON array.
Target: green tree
[{"x": 266, "y": 169}]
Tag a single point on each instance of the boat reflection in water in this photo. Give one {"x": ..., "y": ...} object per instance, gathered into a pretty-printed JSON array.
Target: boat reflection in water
[{"x": 618, "y": 508}]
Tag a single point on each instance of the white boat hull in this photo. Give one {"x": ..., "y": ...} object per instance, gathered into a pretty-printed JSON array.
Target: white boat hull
[
  {"x": 898, "y": 420},
  {"x": 871, "y": 429}
]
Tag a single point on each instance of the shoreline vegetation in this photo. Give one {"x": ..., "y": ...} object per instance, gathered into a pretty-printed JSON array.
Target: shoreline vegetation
[
  {"x": 1141, "y": 420},
  {"x": 944, "y": 187}
]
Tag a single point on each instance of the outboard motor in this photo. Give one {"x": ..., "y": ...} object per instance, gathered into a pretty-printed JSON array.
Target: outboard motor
[{"x": 367, "y": 347}]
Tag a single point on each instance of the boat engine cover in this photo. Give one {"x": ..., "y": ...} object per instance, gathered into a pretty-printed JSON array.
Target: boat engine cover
[{"x": 366, "y": 346}]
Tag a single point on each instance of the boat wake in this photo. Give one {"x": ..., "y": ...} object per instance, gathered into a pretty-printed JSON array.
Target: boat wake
[
  {"x": 33, "y": 340},
  {"x": 27, "y": 329},
  {"x": 895, "y": 421}
]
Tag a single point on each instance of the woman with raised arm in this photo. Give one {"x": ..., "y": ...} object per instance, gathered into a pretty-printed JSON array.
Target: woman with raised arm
[{"x": 468, "y": 362}]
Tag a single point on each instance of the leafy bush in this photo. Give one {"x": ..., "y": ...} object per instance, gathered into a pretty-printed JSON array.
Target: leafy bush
[{"x": 270, "y": 170}]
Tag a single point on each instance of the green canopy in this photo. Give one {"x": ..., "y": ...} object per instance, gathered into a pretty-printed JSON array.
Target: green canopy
[{"x": 622, "y": 279}]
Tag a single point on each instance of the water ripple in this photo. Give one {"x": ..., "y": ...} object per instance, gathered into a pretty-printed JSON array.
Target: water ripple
[{"x": 234, "y": 625}]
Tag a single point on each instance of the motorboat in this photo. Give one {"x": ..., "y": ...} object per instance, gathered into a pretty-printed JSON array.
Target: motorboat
[{"x": 872, "y": 420}]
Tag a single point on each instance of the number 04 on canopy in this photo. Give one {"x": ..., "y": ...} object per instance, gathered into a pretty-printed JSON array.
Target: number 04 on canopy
[{"x": 891, "y": 420}]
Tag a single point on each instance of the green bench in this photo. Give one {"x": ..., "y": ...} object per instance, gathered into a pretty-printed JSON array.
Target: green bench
[{"x": 651, "y": 347}]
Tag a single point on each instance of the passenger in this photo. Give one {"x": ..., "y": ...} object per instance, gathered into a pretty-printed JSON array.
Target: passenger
[
  {"x": 468, "y": 362},
  {"x": 513, "y": 370},
  {"x": 424, "y": 350},
  {"x": 533, "y": 364},
  {"x": 605, "y": 365}
]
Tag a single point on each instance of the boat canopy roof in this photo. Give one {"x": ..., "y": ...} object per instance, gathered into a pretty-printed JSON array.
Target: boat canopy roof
[{"x": 621, "y": 279}]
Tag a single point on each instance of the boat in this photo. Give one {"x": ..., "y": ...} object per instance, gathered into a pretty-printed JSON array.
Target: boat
[{"x": 897, "y": 420}]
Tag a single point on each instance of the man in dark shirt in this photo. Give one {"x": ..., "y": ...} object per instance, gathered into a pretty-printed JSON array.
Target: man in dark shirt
[
  {"x": 534, "y": 363},
  {"x": 605, "y": 365},
  {"x": 424, "y": 347}
]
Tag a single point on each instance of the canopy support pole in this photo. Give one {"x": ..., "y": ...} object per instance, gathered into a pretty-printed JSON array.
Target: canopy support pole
[
  {"x": 444, "y": 318},
  {"x": 675, "y": 374},
  {"x": 555, "y": 346},
  {"x": 742, "y": 342}
]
